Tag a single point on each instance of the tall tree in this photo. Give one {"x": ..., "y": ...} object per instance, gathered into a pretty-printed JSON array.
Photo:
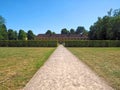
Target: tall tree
[
  {"x": 16, "y": 35},
  {"x": 80, "y": 30},
  {"x": 85, "y": 32},
  {"x": 92, "y": 33},
  {"x": 106, "y": 28},
  {"x": 116, "y": 12},
  {"x": 110, "y": 12},
  {"x": 99, "y": 29},
  {"x": 3, "y": 29},
  {"x": 12, "y": 35},
  {"x": 72, "y": 31},
  {"x": 30, "y": 35},
  {"x": 116, "y": 27},
  {"x": 48, "y": 32},
  {"x": 64, "y": 31},
  {"x": 3, "y": 32},
  {"x": 53, "y": 33},
  {"x": 2, "y": 20},
  {"x": 22, "y": 35}
]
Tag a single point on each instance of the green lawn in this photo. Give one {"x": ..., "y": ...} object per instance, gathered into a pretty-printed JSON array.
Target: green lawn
[
  {"x": 104, "y": 61},
  {"x": 18, "y": 65}
]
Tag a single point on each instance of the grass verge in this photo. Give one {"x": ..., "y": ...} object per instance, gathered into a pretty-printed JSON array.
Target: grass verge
[
  {"x": 104, "y": 61},
  {"x": 18, "y": 65}
]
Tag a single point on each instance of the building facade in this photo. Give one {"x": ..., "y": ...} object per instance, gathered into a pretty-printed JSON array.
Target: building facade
[{"x": 61, "y": 37}]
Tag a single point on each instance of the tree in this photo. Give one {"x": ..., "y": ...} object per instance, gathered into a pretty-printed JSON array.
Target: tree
[
  {"x": 3, "y": 32},
  {"x": 16, "y": 35},
  {"x": 98, "y": 31},
  {"x": 30, "y": 35},
  {"x": 115, "y": 28},
  {"x": 53, "y": 33},
  {"x": 64, "y": 31},
  {"x": 48, "y": 32},
  {"x": 12, "y": 35},
  {"x": 106, "y": 28},
  {"x": 3, "y": 29},
  {"x": 2, "y": 20},
  {"x": 22, "y": 35},
  {"x": 116, "y": 12},
  {"x": 103, "y": 28},
  {"x": 80, "y": 30},
  {"x": 85, "y": 32},
  {"x": 72, "y": 31},
  {"x": 110, "y": 12},
  {"x": 92, "y": 33}
]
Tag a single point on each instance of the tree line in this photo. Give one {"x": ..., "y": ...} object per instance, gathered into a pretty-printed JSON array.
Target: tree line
[
  {"x": 11, "y": 34},
  {"x": 80, "y": 30},
  {"x": 107, "y": 27}
]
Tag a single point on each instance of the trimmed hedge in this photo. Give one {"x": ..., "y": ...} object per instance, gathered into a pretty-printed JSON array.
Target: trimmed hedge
[
  {"x": 93, "y": 43},
  {"x": 72, "y": 43},
  {"x": 30, "y": 43}
]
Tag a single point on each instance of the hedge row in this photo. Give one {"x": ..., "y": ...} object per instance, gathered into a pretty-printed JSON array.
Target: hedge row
[
  {"x": 33, "y": 43},
  {"x": 93, "y": 43}
]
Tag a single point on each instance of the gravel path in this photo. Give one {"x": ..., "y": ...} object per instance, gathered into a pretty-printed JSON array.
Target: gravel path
[{"x": 63, "y": 71}]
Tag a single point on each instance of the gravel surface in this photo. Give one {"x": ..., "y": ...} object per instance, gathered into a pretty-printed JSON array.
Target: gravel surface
[{"x": 63, "y": 71}]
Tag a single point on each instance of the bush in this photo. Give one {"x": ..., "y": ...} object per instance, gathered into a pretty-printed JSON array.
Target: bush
[
  {"x": 30, "y": 43},
  {"x": 93, "y": 43}
]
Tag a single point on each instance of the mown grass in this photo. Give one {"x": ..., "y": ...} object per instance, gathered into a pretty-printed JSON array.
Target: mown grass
[
  {"x": 18, "y": 65},
  {"x": 104, "y": 61}
]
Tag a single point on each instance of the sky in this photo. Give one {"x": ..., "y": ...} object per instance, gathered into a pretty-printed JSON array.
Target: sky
[{"x": 42, "y": 15}]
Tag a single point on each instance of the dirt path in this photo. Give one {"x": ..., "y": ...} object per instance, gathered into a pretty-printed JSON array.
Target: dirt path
[{"x": 63, "y": 71}]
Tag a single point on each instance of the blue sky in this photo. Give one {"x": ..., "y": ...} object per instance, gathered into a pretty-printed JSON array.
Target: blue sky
[{"x": 41, "y": 15}]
